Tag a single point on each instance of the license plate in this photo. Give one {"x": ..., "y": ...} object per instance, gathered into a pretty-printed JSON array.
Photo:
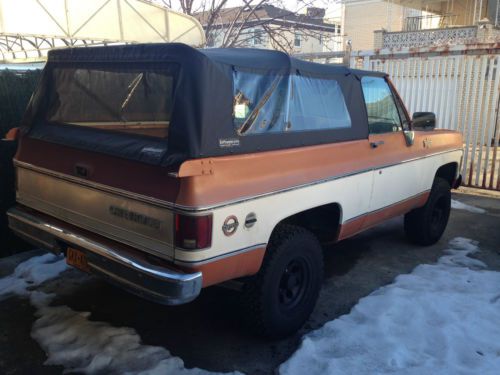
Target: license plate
[{"x": 77, "y": 259}]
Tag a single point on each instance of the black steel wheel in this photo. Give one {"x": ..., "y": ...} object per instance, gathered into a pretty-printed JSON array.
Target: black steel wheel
[
  {"x": 279, "y": 299},
  {"x": 426, "y": 225},
  {"x": 293, "y": 284}
]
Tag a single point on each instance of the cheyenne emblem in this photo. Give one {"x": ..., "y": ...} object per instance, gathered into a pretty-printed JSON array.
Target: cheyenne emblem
[
  {"x": 230, "y": 225},
  {"x": 135, "y": 217}
]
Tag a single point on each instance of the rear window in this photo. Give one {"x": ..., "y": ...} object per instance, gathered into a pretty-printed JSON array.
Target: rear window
[{"x": 126, "y": 100}]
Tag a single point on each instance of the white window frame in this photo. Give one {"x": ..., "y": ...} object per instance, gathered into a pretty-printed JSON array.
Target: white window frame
[{"x": 297, "y": 36}]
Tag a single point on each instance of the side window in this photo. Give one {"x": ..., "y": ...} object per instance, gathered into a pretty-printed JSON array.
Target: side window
[
  {"x": 316, "y": 104},
  {"x": 259, "y": 103},
  {"x": 383, "y": 116},
  {"x": 282, "y": 104}
]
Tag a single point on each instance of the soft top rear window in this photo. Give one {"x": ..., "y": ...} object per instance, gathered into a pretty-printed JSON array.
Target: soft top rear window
[{"x": 117, "y": 98}]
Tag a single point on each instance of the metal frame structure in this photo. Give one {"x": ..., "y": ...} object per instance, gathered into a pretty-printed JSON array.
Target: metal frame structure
[
  {"x": 34, "y": 48},
  {"x": 30, "y": 28}
]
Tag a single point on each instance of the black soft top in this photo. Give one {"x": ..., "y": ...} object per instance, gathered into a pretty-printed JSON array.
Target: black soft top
[
  {"x": 251, "y": 58},
  {"x": 202, "y": 114}
]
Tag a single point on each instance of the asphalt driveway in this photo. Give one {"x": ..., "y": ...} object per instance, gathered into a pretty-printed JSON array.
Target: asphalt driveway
[{"x": 208, "y": 333}]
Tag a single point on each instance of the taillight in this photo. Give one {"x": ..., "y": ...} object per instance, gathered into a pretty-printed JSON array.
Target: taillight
[{"x": 193, "y": 232}]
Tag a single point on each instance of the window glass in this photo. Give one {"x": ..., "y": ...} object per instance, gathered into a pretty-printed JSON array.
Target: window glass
[
  {"x": 297, "y": 42},
  {"x": 317, "y": 104},
  {"x": 211, "y": 38},
  {"x": 259, "y": 103},
  {"x": 382, "y": 112},
  {"x": 124, "y": 100},
  {"x": 257, "y": 37},
  {"x": 402, "y": 114},
  {"x": 272, "y": 103}
]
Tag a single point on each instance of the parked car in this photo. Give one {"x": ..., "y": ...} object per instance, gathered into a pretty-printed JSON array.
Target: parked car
[{"x": 167, "y": 169}]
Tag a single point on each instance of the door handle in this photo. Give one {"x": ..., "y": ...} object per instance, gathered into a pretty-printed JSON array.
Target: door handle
[{"x": 376, "y": 144}]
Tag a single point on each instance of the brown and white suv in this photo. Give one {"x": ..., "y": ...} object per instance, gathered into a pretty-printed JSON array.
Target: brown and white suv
[{"x": 167, "y": 169}]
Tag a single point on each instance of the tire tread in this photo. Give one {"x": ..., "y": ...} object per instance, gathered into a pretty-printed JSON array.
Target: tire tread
[
  {"x": 415, "y": 221},
  {"x": 252, "y": 300}
]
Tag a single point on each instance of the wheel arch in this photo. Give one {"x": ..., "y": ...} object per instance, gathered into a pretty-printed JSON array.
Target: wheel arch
[
  {"x": 323, "y": 221},
  {"x": 448, "y": 172}
]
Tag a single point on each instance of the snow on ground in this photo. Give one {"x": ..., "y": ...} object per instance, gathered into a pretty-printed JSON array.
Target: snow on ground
[
  {"x": 440, "y": 319},
  {"x": 72, "y": 340},
  {"x": 82, "y": 345},
  {"x": 30, "y": 274},
  {"x": 467, "y": 207}
]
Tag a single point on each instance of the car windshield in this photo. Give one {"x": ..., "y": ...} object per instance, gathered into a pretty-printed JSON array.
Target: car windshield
[{"x": 129, "y": 100}]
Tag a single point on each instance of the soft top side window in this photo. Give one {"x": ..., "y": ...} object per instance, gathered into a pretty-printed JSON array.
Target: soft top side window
[
  {"x": 287, "y": 103},
  {"x": 259, "y": 102},
  {"x": 383, "y": 115}
]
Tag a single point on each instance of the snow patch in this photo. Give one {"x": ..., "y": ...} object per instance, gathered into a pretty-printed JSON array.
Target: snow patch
[
  {"x": 30, "y": 274},
  {"x": 70, "y": 339},
  {"x": 457, "y": 205},
  {"x": 441, "y": 318}
]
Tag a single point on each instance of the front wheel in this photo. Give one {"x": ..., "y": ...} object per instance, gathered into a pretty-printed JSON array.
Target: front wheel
[
  {"x": 426, "y": 225},
  {"x": 280, "y": 298}
]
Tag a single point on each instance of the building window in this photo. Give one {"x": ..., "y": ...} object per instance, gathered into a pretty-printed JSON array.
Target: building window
[
  {"x": 257, "y": 37},
  {"x": 211, "y": 39},
  {"x": 320, "y": 39},
  {"x": 298, "y": 39}
]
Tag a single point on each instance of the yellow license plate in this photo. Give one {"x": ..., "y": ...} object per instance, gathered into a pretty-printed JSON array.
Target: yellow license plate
[{"x": 77, "y": 259}]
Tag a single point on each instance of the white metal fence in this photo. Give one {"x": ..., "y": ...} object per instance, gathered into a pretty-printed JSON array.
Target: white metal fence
[{"x": 461, "y": 84}]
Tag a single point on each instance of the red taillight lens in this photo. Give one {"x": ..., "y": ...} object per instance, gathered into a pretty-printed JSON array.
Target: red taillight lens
[{"x": 193, "y": 232}]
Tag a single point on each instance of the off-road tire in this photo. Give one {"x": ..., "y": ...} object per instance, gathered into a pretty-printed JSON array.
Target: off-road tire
[
  {"x": 425, "y": 225},
  {"x": 280, "y": 298}
]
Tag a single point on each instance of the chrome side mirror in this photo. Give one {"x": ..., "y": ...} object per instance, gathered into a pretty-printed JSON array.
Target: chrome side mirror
[{"x": 409, "y": 137}]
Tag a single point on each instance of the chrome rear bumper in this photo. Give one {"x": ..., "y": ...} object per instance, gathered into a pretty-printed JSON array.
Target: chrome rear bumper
[{"x": 138, "y": 273}]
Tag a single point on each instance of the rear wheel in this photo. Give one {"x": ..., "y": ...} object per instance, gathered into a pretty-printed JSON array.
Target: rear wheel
[
  {"x": 426, "y": 225},
  {"x": 280, "y": 298}
]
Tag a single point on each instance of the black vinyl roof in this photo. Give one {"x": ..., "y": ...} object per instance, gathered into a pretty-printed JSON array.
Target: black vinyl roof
[
  {"x": 264, "y": 59},
  {"x": 268, "y": 59},
  {"x": 252, "y": 58}
]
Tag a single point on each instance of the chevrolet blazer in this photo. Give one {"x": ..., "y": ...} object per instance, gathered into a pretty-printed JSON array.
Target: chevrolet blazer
[{"x": 167, "y": 169}]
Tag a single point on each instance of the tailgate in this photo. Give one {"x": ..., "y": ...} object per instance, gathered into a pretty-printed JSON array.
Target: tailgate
[{"x": 125, "y": 217}]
